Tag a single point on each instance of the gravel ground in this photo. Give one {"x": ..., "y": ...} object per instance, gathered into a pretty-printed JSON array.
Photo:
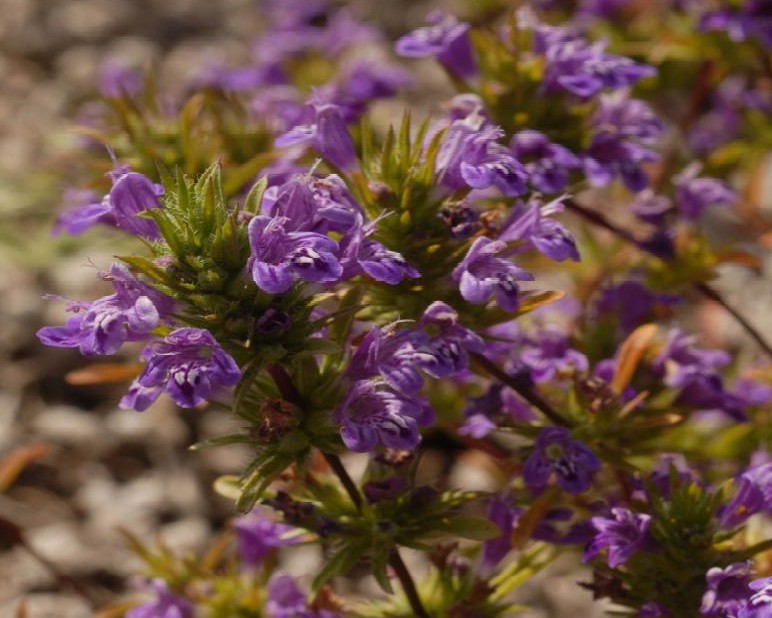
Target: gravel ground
[{"x": 98, "y": 468}]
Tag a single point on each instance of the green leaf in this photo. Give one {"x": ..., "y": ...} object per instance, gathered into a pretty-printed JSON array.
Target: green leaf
[
  {"x": 467, "y": 527},
  {"x": 236, "y": 438},
  {"x": 255, "y": 196},
  {"x": 341, "y": 563}
]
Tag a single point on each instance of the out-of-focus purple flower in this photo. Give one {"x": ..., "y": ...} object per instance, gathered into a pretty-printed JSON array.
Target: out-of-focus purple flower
[
  {"x": 623, "y": 127},
  {"x": 502, "y": 513},
  {"x": 364, "y": 82},
  {"x": 372, "y": 414},
  {"x": 652, "y": 609},
  {"x": 188, "y": 364},
  {"x": 723, "y": 121},
  {"x": 694, "y": 194},
  {"x": 603, "y": 9},
  {"x": 751, "y": 19},
  {"x": 682, "y": 363},
  {"x": 497, "y": 406},
  {"x": 556, "y": 452},
  {"x": 132, "y": 194},
  {"x": 446, "y": 39},
  {"x": 696, "y": 373},
  {"x": 622, "y": 535},
  {"x": 584, "y": 69},
  {"x": 727, "y": 590},
  {"x": 753, "y": 496},
  {"x": 548, "y": 165},
  {"x": 102, "y": 326},
  {"x": 118, "y": 79},
  {"x": 650, "y": 207},
  {"x": 258, "y": 536},
  {"x": 549, "y": 354},
  {"x": 632, "y": 303},
  {"x": 471, "y": 156},
  {"x": 481, "y": 274},
  {"x": 327, "y": 132},
  {"x": 240, "y": 79},
  {"x": 759, "y": 605},
  {"x": 165, "y": 605},
  {"x": 285, "y": 599},
  {"x": 278, "y": 256},
  {"x": 278, "y": 108},
  {"x": 531, "y": 222}
]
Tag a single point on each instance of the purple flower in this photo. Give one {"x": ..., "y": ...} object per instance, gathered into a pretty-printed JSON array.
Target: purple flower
[
  {"x": 584, "y": 69},
  {"x": 622, "y": 129},
  {"x": 753, "y": 496},
  {"x": 258, "y": 536},
  {"x": 278, "y": 256},
  {"x": 445, "y": 343},
  {"x": 549, "y": 355},
  {"x": 650, "y": 207},
  {"x": 759, "y": 605},
  {"x": 311, "y": 204},
  {"x": 372, "y": 414},
  {"x": 556, "y": 452},
  {"x": 117, "y": 79},
  {"x": 471, "y": 156},
  {"x": 446, "y": 39},
  {"x": 632, "y": 303},
  {"x": 498, "y": 406},
  {"x": 361, "y": 254},
  {"x": 132, "y": 194},
  {"x": 481, "y": 275},
  {"x": 393, "y": 355},
  {"x": 752, "y": 19},
  {"x": 681, "y": 362},
  {"x": 327, "y": 132},
  {"x": 365, "y": 81},
  {"x": 189, "y": 364},
  {"x": 502, "y": 513},
  {"x": 165, "y": 605},
  {"x": 285, "y": 599},
  {"x": 530, "y": 222},
  {"x": 727, "y": 590},
  {"x": 694, "y": 195},
  {"x": 548, "y": 165},
  {"x": 622, "y": 534},
  {"x": 102, "y": 326}
]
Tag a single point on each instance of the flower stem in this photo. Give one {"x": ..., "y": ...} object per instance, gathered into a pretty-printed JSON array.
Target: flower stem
[
  {"x": 395, "y": 560},
  {"x": 408, "y": 585},
  {"x": 522, "y": 388},
  {"x": 343, "y": 476}
]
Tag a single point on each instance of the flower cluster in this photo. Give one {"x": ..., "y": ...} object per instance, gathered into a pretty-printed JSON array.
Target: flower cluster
[{"x": 354, "y": 293}]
